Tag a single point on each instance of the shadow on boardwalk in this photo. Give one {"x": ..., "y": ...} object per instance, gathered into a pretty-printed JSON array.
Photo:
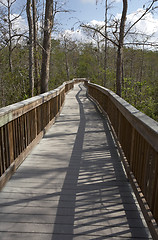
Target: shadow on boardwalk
[
  {"x": 72, "y": 185},
  {"x": 102, "y": 203}
]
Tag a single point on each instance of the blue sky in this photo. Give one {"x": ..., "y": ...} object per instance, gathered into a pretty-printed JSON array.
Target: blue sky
[{"x": 86, "y": 11}]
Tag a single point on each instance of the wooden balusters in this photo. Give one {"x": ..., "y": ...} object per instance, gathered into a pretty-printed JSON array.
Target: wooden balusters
[
  {"x": 138, "y": 137},
  {"x": 24, "y": 123}
]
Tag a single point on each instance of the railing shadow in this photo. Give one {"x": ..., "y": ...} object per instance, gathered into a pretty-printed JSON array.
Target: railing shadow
[
  {"x": 102, "y": 205},
  {"x": 95, "y": 200},
  {"x": 76, "y": 158}
]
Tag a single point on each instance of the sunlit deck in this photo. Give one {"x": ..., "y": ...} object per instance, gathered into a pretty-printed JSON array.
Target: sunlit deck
[{"x": 72, "y": 185}]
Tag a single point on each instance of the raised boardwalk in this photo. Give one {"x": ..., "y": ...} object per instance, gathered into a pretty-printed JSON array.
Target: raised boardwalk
[{"x": 72, "y": 185}]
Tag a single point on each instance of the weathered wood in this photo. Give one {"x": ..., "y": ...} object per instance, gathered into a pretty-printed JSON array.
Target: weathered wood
[
  {"x": 138, "y": 138},
  {"x": 146, "y": 126},
  {"x": 11, "y": 147},
  {"x": 21, "y": 123},
  {"x": 72, "y": 185}
]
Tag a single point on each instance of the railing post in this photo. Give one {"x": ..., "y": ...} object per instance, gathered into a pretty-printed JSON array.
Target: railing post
[
  {"x": 132, "y": 148},
  {"x": 11, "y": 147},
  {"x": 138, "y": 139},
  {"x": 23, "y": 124}
]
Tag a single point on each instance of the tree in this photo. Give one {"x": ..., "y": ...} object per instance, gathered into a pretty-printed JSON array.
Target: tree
[
  {"x": 118, "y": 43},
  {"x": 119, "y": 33},
  {"x": 8, "y": 33},
  {"x": 36, "y": 81},
  {"x": 66, "y": 57},
  {"x": 48, "y": 24},
  {"x": 105, "y": 49},
  {"x": 31, "y": 50},
  {"x": 119, "y": 70}
]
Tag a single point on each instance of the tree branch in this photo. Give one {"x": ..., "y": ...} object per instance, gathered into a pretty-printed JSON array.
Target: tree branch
[
  {"x": 18, "y": 15},
  {"x": 146, "y": 11},
  {"x": 143, "y": 44},
  {"x": 98, "y": 30}
]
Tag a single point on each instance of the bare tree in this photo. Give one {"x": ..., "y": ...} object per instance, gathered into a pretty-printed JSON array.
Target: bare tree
[
  {"x": 118, "y": 43},
  {"x": 120, "y": 33},
  {"x": 31, "y": 49},
  {"x": 51, "y": 9},
  {"x": 66, "y": 57},
  {"x": 69, "y": 46},
  {"x": 107, "y": 7},
  {"x": 106, "y": 42},
  {"x": 36, "y": 80},
  {"x": 120, "y": 49},
  {"x": 7, "y": 31},
  {"x": 48, "y": 24}
]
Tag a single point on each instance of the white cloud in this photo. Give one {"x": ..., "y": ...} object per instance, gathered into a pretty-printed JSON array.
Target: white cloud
[
  {"x": 97, "y": 23},
  {"x": 148, "y": 25},
  {"x": 5, "y": 2},
  {"x": 80, "y": 34},
  {"x": 145, "y": 29},
  {"x": 19, "y": 24},
  {"x": 88, "y": 1},
  {"x": 94, "y": 1},
  {"x": 97, "y": 1},
  {"x": 76, "y": 35}
]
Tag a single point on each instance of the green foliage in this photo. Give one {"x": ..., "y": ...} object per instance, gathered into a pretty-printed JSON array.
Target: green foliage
[
  {"x": 140, "y": 95},
  {"x": 110, "y": 79},
  {"x": 14, "y": 86},
  {"x": 140, "y": 86}
]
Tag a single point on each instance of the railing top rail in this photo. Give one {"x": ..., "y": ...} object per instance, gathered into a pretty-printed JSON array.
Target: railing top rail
[
  {"x": 15, "y": 110},
  {"x": 145, "y": 125}
]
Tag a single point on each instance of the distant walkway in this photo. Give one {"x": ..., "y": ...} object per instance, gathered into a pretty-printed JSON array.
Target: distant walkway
[{"x": 72, "y": 186}]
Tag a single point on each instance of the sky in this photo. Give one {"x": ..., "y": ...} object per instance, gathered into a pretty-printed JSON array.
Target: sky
[{"x": 87, "y": 11}]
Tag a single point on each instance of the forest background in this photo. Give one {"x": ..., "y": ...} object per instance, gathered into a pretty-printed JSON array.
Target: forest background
[{"x": 78, "y": 53}]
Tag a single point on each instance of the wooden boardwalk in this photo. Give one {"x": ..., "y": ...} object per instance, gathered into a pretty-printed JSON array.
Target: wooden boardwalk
[{"x": 72, "y": 185}]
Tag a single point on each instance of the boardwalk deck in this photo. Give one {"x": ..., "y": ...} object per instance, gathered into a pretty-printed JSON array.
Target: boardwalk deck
[{"x": 72, "y": 185}]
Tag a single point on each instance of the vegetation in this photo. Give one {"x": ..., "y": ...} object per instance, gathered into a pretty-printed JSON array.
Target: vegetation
[
  {"x": 70, "y": 59},
  {"x": 140, "y": 83}
]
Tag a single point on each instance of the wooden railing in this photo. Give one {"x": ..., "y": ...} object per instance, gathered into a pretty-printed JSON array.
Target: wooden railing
[
  {"x": 137, "y": 137},
  {"x": 23, "y": 124}
]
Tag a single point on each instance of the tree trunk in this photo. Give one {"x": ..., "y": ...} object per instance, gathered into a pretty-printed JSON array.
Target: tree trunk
[
  {"x": 120, "y": 49},
  {"x": 10, "y": 39},
  {"x": 36, "y": 80},
  {"x": 67, "y": 66},
  {"x": 105, "y": 56},
  {"x": 66, "y": 59},
  {"x": 31, "y": 55},
  {"x": 48, "y": 24}
]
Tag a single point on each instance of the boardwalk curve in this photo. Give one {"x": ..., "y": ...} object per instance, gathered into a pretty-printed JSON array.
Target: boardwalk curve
[{"x": 72, "y": 185}]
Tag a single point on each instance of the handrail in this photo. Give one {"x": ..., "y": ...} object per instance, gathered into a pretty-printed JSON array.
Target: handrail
[
  {"x": 23, "y": 124},
  {"x": 137, "y": 138}
]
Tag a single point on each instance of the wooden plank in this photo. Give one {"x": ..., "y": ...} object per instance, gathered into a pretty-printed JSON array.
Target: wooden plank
[
  {"x": 16, "y": 110},
  {"x": 145, "y": 207},
  {"x": 11, "y": 147},
  {"x": 79, "y": 192},
  {"x": 146, "y": 126},
  {"x": 1, "y": 154}
]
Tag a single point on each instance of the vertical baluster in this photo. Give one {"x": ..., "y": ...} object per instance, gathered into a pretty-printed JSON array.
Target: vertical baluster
[
  {"x": 11, "y": 146},
  {"x": 2, "y": 160}
]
